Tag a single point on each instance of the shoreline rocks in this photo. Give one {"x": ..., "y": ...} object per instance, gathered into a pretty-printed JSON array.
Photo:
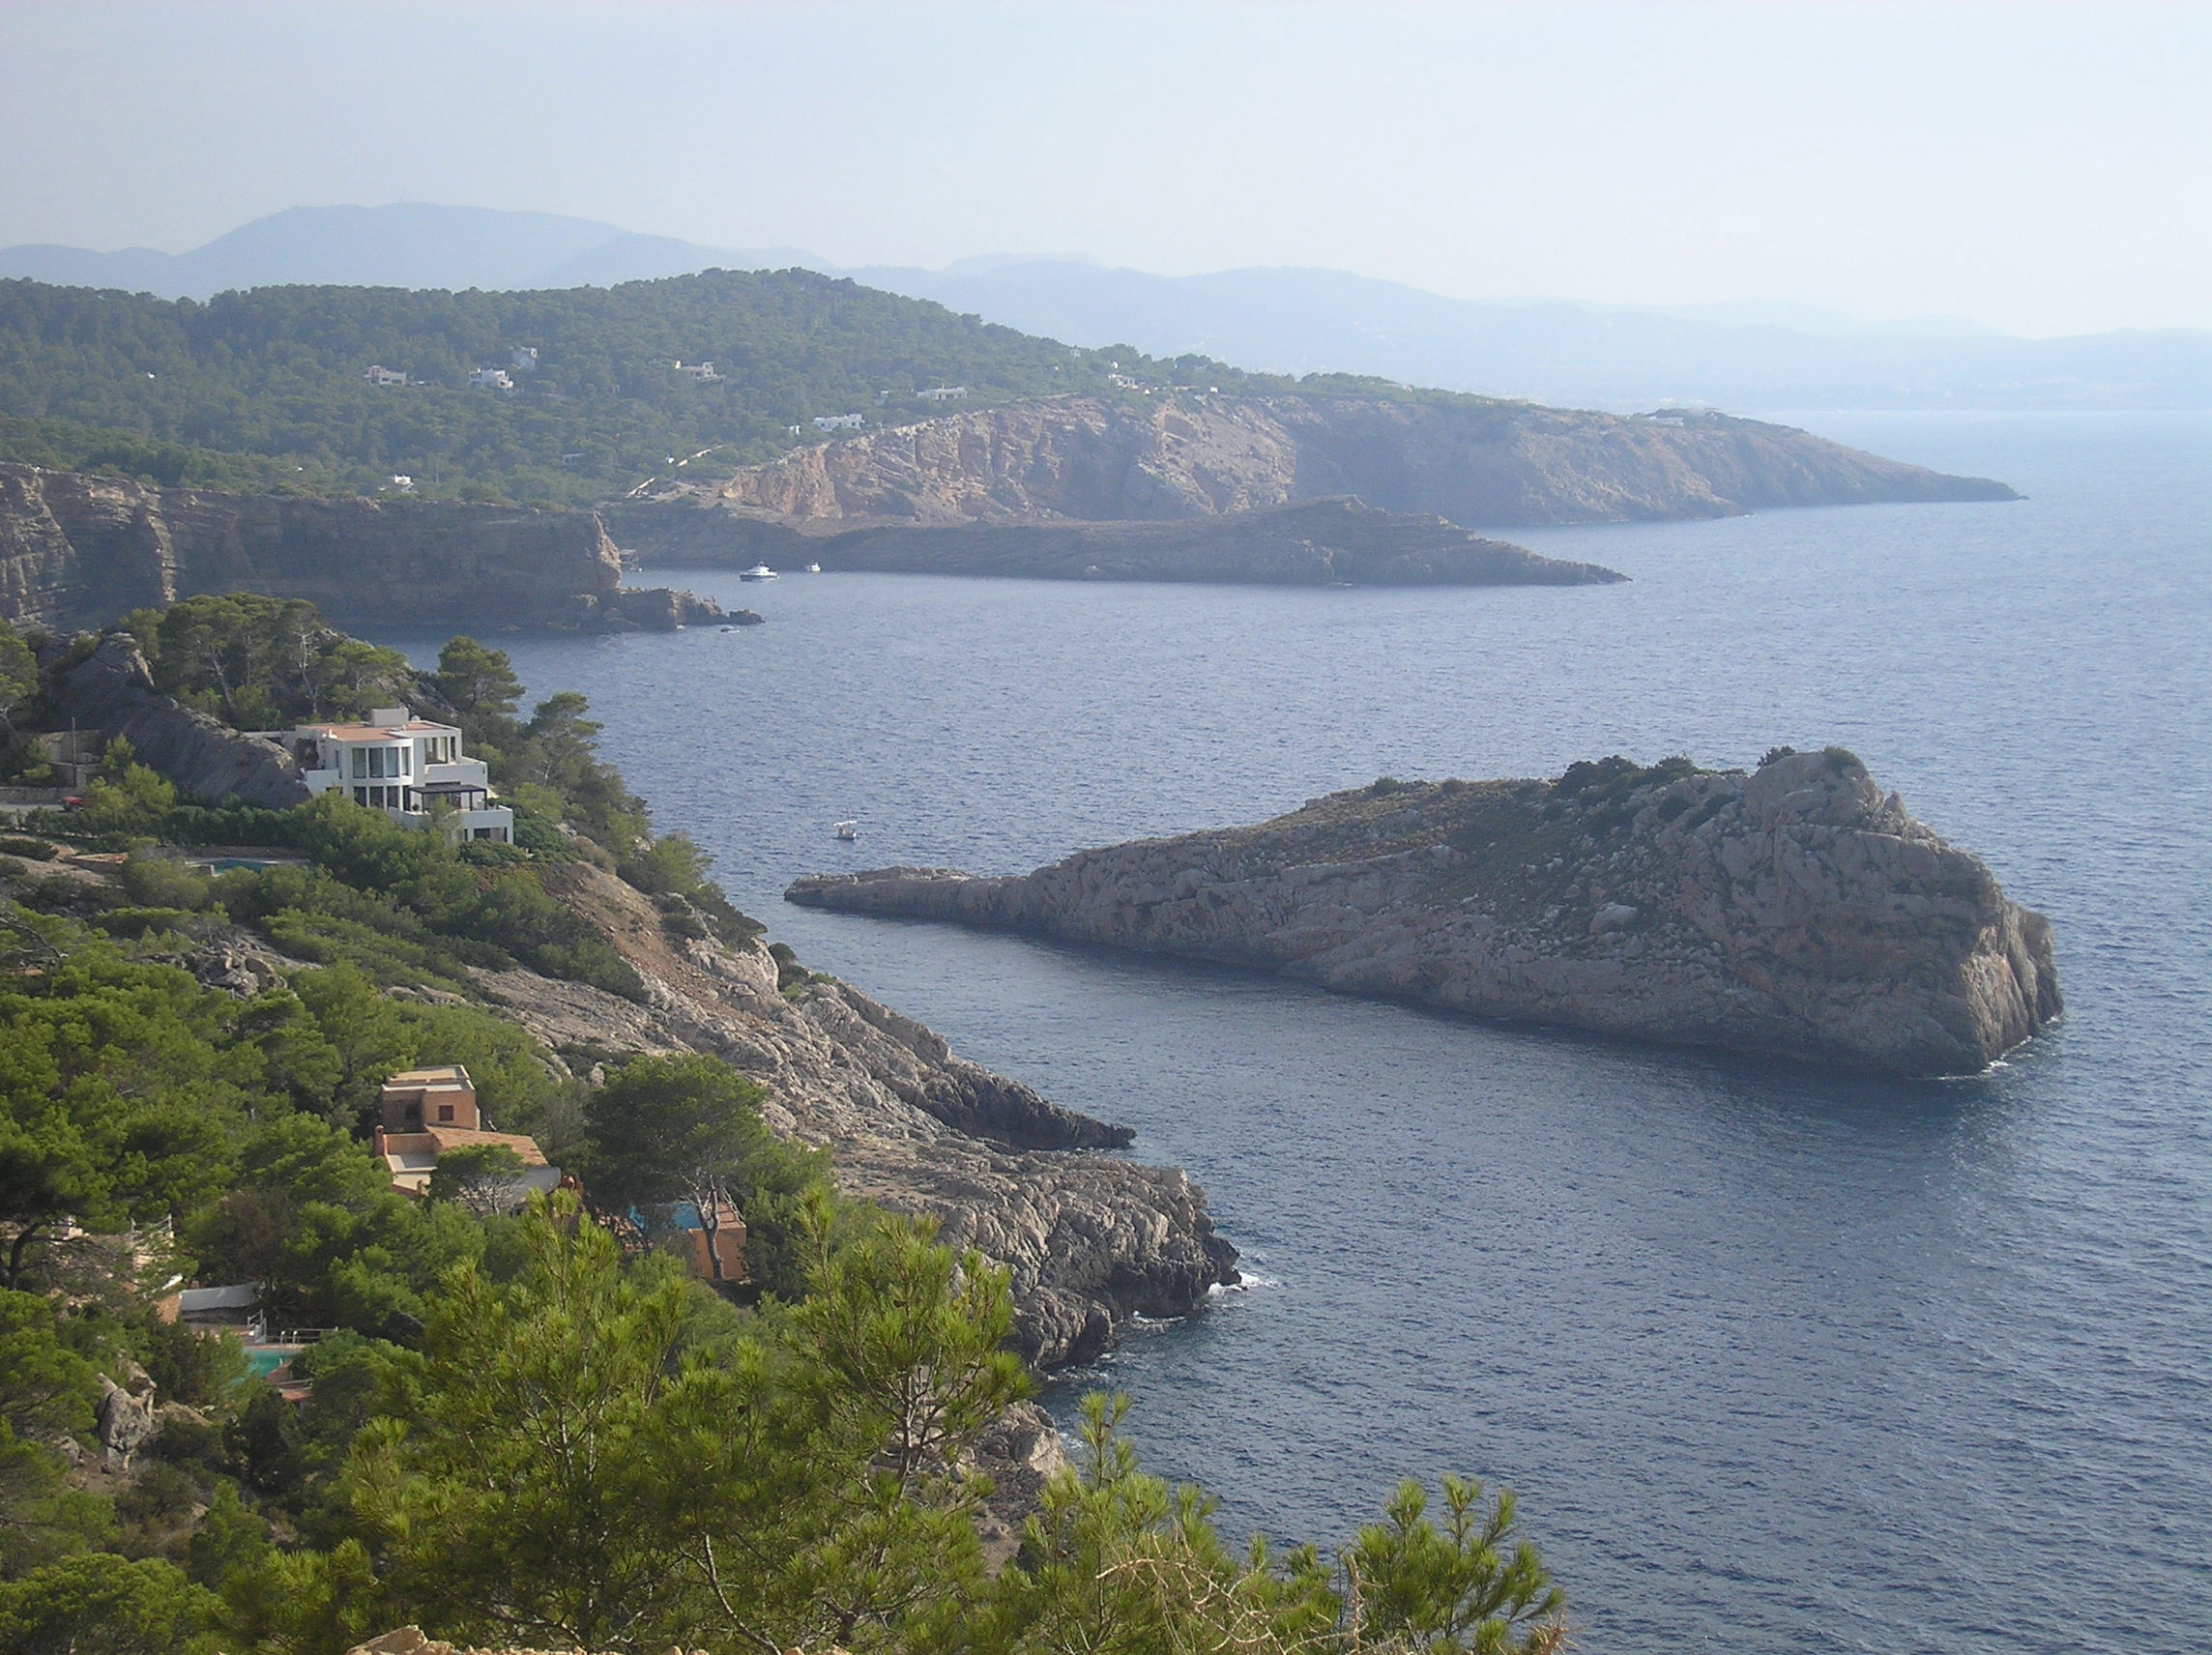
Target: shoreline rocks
[
  {"x": 1795, "y": 911},
  {"x": 1091, "y": 1239}
]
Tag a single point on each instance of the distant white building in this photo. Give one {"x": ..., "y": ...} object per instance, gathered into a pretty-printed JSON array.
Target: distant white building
[
  {"x": 401, "y": 481},
  {"x": 839, "y": 422},
  {"x": 379, "y": 374},
  {"x": 491, "y": 379},
  {"x": 702, "y": 371},
  {"x": 523, "y": 359},
  {"x": 1124, "y": 382},
  {"x": 406, "y": 766},
  {"x": 943, "y": 394}
]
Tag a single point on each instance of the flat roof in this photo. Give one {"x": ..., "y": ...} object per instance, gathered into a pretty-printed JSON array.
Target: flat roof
[
  {"x": 434, "y": 1140},
  {"x": 379, "y": 732},
  {"x": 430, "y": 1075}
]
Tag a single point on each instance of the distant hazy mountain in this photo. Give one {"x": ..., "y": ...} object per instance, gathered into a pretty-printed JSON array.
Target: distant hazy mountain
[
  {"x": 409, "y": 245},
  {"x": 1300, "y": 321},
  {"x": 1743, "y": 355}
]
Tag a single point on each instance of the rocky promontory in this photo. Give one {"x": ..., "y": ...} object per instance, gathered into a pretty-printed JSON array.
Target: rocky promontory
[
  {"x": 1091, "y": 1239},
  {"x": 1472, "y": 460},
  {"x": 76, "y": 550},
  {"x": 1338, "y": 541},
  {"x": 1797, "y": 910}
]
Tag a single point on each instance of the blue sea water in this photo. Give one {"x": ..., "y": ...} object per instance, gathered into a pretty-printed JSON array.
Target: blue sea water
[{"x": 1776, "y": 1360}]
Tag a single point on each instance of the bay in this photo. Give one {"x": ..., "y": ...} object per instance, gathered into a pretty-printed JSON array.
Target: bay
[{"x": 1774, "y": 1359}]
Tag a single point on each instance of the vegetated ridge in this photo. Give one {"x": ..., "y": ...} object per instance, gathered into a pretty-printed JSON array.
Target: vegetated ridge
[
  {"x": 578, "y": 396},
  {"x": 267, "y": 388},
  {"x": 1795, "y": 911},
  {"x": 77, "y": 549}
]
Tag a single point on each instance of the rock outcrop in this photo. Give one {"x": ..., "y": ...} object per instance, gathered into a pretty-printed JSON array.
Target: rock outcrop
[
  {"x": 112, "y": 691},
  {"x": 1794, "y": 911},
  {"x": 79, "y": 550},
  {"x": 1091, "y": 1239},
  {"x": 1187, "y": 455},
  {"x": 1319, "y": 542}
]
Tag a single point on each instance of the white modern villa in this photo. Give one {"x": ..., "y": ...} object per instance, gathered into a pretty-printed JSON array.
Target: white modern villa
[{"x": 405, "y": 767}]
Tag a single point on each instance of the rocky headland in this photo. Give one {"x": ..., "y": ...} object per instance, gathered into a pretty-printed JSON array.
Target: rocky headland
[
  {"x": 1795, "y": 911},
  {"x": 1091, "y": 1239},
  {"x": 1339, "y": 540},
  {"x": 76, "y": 550},
  {"x": 1469, "y": 460}
]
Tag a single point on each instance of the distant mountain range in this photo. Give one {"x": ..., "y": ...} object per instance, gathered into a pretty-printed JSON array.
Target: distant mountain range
[{"x": 1281, "y": 320}]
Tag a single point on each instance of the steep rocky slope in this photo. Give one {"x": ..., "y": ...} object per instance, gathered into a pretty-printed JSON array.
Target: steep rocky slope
[
  {"x": 1091, "y": 1239},
  {"x": 1795, "y": 911},
  {"x": 112, "y": 691},
  {"x": 1313, "y": 543},
  {"x": 76, "y": 550},
  {"x": 1480, "y": 463}
]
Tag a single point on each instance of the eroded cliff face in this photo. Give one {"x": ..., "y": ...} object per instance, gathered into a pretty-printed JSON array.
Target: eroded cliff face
[
  {"x": 1487, "y": 464},
  {"x": 79, "y": 550},
  {"x": 1091, "y": 1239},
  {"x": 1796, "y": 910}
]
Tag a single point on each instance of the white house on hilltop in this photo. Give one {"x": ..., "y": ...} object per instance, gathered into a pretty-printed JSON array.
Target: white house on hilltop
[
  {"x": 379, "y": 374},
  {"x": 405, "y": 767},
  {"x": 703, "y": 371},
  {"x": 943, "y": 394},
  {"x": 839, "y": 422},
  {"x": 491, "y": 379}
]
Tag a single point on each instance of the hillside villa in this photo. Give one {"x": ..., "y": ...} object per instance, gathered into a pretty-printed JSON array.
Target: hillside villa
[
  {"x": 423, "y": 1114},
  {"x": 408, "y": 767}
]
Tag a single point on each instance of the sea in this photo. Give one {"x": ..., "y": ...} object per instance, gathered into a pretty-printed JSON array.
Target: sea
[{"x": 1773, "y": 1359}]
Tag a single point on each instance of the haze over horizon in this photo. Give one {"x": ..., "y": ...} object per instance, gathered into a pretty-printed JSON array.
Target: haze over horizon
[{"x": 2038, "y": 169}]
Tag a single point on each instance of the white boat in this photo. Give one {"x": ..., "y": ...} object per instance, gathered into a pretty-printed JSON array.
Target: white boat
[
  {"x": 759, "y": 571},
  {"x": 813, "y": 568},
  {"x": 848, "y": 829}
]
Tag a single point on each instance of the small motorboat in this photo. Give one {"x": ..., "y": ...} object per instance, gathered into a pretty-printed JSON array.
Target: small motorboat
[
  {"x": 759, "y": 571},
  {"x": 813, "y": 568},
  {"x": 848, "y": 829},
  {"x": 729, "y": 628}
]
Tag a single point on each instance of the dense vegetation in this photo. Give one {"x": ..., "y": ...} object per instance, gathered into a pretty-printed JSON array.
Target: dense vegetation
[
  {"x": 265, "y": 388},
  {"x": 531, "y": 1427}
]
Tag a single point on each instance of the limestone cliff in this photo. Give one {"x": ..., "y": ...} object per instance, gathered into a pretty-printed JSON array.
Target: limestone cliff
[
  {"x": 1314, "y": 544},
  {"x": 1477, "y": 462},
  {"x": 1091, "y": 1239},
  {"x": 1794, "y": 911},
  {"x": 78, "y": 550}
]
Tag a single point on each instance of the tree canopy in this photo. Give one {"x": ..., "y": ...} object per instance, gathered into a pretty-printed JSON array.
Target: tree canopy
[{"x": 265, "y": 388}]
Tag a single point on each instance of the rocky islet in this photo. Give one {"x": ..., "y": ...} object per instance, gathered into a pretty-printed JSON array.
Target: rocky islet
[{"x": 1795, "y": 911}]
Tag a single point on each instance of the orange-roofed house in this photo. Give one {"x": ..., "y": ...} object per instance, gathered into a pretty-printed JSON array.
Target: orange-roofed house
[{"x": 423, "y": 1114}]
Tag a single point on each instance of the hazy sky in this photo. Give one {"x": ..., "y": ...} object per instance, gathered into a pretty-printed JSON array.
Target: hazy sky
[{"x": 2043, "y": 168}]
